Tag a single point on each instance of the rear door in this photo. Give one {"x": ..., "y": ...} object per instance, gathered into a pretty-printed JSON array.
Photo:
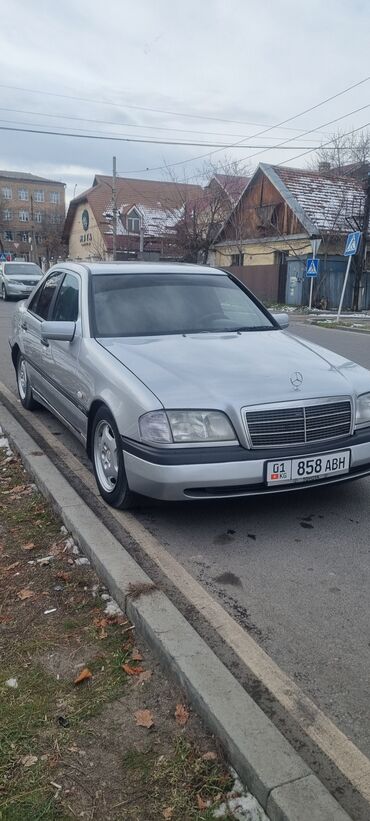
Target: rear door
[
  {"x": 38, "y": 310},
  {"x": 62, "y": 358}
]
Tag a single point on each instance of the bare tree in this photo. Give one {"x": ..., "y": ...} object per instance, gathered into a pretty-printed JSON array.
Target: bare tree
[
  {"x": 344, "y": 149},
  {"x": 200, "y": 216},
  {"x": 49, "y": 240}
]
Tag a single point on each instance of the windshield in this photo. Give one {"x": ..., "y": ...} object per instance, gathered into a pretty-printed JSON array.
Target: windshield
[
  {"x": 14, "y": 268},
  {"x": 156, "y": 304}
]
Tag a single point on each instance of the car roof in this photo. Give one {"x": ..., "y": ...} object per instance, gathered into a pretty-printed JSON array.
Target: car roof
[{"x": 96, "y": 268}]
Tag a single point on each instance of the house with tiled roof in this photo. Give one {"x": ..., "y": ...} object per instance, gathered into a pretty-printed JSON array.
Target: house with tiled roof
[
  {"x": 268, "y": 236},
  {"x": 147, "y": 215}
]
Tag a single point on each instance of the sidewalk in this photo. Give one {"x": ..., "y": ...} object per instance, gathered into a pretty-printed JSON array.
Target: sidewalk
[{"x": 90, "y": 726}]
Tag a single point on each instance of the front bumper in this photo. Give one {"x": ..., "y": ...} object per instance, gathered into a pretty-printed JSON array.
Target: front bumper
[
  {"x": 224, "y": 472},
  {"x": 20, "y": 290}
]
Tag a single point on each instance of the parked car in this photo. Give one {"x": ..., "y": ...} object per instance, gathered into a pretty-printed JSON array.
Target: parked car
[
  {"x": 181, "y": 385},
  {"x": 18, "y": 279}
]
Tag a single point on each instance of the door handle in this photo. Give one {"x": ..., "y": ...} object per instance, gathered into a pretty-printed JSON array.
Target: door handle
[
  {"x": 44, "y": 342},
  {"x": 24, "y": 326}
]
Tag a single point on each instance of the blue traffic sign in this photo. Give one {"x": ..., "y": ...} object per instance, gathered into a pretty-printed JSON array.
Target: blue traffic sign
[
  {"x": 352, "y": 243},
  {"x": 312, "y": 267},
  {"x": 2, "y": 257}
]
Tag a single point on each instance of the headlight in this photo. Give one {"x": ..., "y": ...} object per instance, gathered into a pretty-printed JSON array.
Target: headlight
[
  {"x": 363, "y": 410},
  {"x": 186, "y": 426},
  {"x": 14, "y": 281}
]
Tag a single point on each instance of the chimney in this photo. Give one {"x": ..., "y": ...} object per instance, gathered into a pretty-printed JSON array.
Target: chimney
[{"x": 324, "y": 166}]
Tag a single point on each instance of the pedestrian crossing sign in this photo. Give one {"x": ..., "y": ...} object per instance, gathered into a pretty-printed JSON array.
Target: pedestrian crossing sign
[
  {"x": 312, "y": 267},
  {"x": 352, "y": 244}
]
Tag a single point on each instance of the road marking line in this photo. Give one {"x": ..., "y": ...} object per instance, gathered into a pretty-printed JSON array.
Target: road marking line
[{"x": 354, "y": 765}]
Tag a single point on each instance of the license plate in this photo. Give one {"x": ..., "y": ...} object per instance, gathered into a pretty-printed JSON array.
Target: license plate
[{"x": 308, "y": 468}]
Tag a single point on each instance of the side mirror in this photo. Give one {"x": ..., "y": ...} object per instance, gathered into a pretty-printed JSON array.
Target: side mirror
[
  {"x": 61, "y": 331},
  {"x": 281, "y": 319}
]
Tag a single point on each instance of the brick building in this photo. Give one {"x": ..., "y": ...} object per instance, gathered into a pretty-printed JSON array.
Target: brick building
[{"x": 32, "y": 211}]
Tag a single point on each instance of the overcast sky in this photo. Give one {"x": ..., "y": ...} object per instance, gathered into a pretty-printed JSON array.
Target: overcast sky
[{"x": 256, "y": 62}]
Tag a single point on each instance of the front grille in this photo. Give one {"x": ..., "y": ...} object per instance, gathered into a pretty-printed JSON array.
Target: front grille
[
  {"x": 28, "y": 282},
  {"x": 299, "y": 425}
]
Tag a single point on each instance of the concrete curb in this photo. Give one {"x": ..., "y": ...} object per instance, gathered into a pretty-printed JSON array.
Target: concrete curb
[
  {"x": 327, "y": 327},
  {"x": 283, "y": 784}
]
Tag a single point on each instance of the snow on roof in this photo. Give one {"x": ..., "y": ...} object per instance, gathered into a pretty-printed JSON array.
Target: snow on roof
[{"x": 328, "y": 201}]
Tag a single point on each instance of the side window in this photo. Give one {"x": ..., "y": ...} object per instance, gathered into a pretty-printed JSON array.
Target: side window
[
  {"x": 66, "y": 305},
  {"x": 42, "y": 300}
]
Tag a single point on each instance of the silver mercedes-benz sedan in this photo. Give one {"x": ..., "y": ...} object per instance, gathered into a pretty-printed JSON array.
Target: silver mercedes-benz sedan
[{"x": 181, "y": 385}]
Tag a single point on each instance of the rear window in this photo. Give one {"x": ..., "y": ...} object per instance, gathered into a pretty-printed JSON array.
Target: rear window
[
  {"x": 13, "y": 268},
  {"x": 157, "y": 304}
]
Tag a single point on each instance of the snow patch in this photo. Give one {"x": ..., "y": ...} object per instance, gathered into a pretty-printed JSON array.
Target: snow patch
[
  {"x": 4, "y": 443},
  {"x": 12, "y": 683},
  {"x": 112, "y": 608},
  {"x": 240, "y": 804}
]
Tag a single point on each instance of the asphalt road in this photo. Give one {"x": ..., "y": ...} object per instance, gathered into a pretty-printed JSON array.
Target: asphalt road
[{"x": 294, "y": 570}]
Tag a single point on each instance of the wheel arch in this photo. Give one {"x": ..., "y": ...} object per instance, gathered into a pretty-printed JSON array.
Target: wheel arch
[
  {"x": 15, "y": 353},
  {"x": 96, "y": 404}
]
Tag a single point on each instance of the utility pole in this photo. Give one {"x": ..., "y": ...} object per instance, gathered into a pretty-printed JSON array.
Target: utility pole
[
  {"x": 114, "y": 199},
  {"x": 361, "y": 258}
]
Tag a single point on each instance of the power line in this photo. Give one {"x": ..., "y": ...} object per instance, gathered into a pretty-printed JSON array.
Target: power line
[
  {"x": 278, "y": 146},
  {"x": 152, "y": 110},
  {"x": 279, "y": 125},
  {"x": 115, "y": 138},
  {"x": 113, "y": 122}
]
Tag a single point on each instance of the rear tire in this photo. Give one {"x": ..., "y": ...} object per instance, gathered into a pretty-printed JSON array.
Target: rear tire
[
  {"x": 108, "y": 462},
  {"x": 23, "y": 385},
  {"x": 4, "y": 294}
]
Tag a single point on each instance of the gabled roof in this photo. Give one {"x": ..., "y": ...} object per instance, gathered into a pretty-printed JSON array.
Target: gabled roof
[
  {"x": 154, "y": 198},
  {"x": 321, "y": 201}
]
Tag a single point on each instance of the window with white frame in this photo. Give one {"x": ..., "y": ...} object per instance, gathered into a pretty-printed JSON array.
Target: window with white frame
[
  {"x": 133, "y": 222},
  {"x": 23, "y": 236},
  {"x": 38, "y": 216},
  {"x": 39, "y": 196},
  {"x": 23, "y": 194},
  {"x": 6, "y": 193},
  {"x": 8, "y": 235},
  {"x": 24, "y": 216},
  {"x": 7, "y": 214},
  {"x": 54, "y": 197}
]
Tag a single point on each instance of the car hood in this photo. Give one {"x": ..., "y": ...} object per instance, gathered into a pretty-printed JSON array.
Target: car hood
[{"x": 218, "y": 370}]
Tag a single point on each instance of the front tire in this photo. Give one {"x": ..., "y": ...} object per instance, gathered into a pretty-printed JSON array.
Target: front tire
[
  {"x": 23, "y": 385},
  {"x": 4, "y": 294},
  {"x": 108, "y": 463}
]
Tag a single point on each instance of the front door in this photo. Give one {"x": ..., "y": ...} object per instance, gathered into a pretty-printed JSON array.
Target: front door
[
  {"x": 294, "y": 281},
  {"x": 62, "y": 358}
]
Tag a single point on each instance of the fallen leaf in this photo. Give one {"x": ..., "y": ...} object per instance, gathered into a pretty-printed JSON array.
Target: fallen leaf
[
  {"x": 136, "y": 655},
  {"x": 144, "y": 718},
  {"x": 101, "y": 622},
  {"x": 202, "y": 805},
  {"x": 29, "y": 760},
  {"x": 181, "y": 714},
  {"x": 25, "y": 594},
  {"x": 209, "y": 756},
  {"x": 103, "y": 634},
  {"x": 18, "y": 488},
  {"x": 132, "y": 671},
  {"x": 11, "y": 567},
  {"x": 168, "y": 813},
  {"x": 64, "y": 575},
  {"x": 84, "y": 675},
  {"x": 145, "y": 676},
  {"x": 28, "y": 546}
]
